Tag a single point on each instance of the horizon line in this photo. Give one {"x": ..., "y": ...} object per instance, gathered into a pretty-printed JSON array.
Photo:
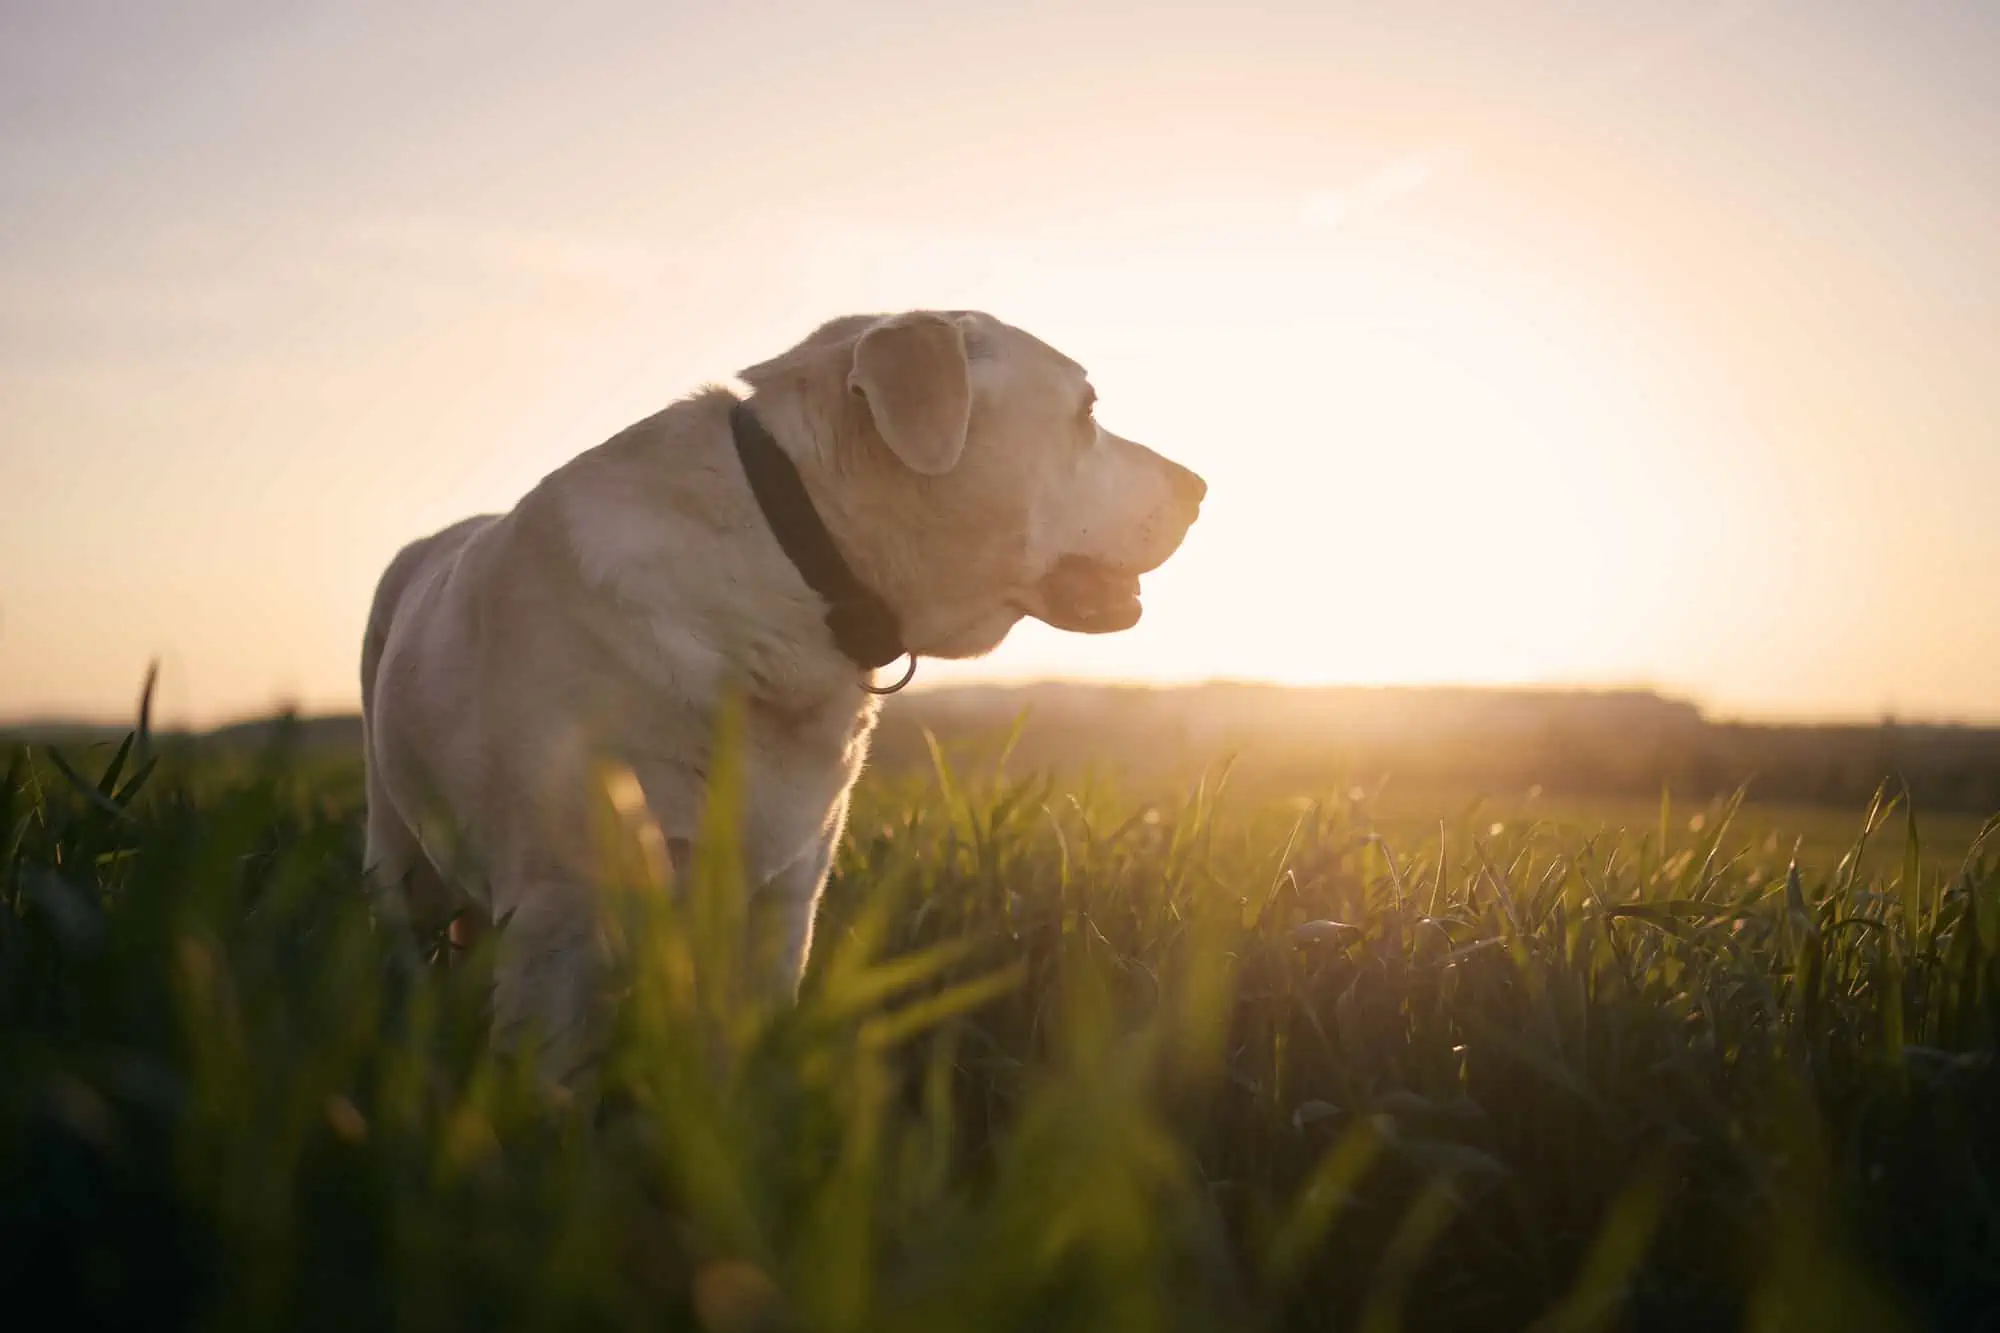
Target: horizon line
[{"x": 1703, "y": 711}]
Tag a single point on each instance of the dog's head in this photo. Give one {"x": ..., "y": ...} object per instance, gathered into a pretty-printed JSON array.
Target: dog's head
[{"x": 960, "y": 464}]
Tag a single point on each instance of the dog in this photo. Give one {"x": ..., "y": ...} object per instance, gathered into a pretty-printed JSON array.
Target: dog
[{"x": 903, "y": 485}]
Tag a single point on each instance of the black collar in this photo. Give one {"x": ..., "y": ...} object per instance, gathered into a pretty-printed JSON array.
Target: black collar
[{"x": 863, "y": 625}]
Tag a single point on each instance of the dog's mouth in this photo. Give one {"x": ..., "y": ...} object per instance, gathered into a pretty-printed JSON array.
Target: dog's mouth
[{"x": 1086, "y": 596}]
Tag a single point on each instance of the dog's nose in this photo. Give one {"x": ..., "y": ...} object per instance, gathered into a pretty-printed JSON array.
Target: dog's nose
[{"x": 1188, "y": 486}]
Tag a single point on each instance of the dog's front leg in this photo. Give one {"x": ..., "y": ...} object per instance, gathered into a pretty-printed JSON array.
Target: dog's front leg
[
  {"x": 549, "y": 976},
  {"x": 781, "y": 922}
]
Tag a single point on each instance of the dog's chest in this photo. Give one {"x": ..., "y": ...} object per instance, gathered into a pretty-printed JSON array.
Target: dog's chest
[{"x": 803, "y": 761}]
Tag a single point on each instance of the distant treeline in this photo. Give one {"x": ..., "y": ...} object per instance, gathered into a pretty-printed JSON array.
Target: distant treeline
[
  {"x": 1624, "y": 743},
  {"x": 1627, "y": 743}
]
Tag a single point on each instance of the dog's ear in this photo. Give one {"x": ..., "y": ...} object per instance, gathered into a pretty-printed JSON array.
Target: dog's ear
[{"x": 912, "y": 371}]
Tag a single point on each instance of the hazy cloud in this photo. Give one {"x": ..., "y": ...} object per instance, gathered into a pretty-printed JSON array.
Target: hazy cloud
[{"x": 1404, "y": 176}]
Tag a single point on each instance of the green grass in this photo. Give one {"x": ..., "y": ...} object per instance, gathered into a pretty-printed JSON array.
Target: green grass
[{"x": 1062, "y": 1061}]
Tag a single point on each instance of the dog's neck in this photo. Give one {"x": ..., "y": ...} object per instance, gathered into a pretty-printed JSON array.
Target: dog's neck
[
  {"x": 863, "y": 625},
  {"x": 847, "y": 471},
  {"x": 664, "y": 529}
]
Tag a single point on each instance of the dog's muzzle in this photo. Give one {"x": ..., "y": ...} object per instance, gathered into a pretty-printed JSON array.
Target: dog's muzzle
[{"x": 1087, "y": 596}]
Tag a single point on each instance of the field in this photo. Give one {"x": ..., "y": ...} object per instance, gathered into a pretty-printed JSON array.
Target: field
[{"x": 1218, "y": 1054}]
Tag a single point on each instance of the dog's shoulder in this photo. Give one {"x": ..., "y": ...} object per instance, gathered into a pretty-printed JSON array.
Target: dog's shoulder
[{"x": 659, "y": 484}]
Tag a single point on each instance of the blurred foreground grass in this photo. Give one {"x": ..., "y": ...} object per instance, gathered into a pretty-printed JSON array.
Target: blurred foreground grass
[{"x": 1062, "y": 1062}]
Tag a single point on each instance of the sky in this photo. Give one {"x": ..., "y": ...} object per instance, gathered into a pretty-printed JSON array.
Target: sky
[{"x": 1585, "y": 344}]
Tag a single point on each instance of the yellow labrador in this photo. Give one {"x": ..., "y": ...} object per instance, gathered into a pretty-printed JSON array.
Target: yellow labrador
[{"x": 909, "y": 484}]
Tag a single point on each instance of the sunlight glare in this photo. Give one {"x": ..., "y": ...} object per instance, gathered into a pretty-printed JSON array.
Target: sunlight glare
[{"x": 1418, "y": 473}]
